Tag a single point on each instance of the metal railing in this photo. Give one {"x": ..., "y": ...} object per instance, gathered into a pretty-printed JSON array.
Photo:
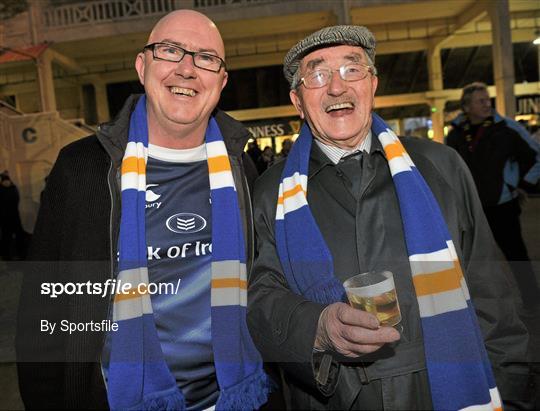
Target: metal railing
[
  {"x": 105, "y": 11},
  {"x": 208, "y": 4},
  {"x": 101, "y": 11}
]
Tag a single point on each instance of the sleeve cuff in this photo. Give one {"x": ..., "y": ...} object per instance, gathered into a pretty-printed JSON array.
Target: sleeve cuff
[{"x": 326, "y": 372}]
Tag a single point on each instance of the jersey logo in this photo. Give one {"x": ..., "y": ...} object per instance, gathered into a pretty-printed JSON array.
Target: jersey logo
[
  {"x": 150, "y": 195},
  {"x": 185, "y": 223}
]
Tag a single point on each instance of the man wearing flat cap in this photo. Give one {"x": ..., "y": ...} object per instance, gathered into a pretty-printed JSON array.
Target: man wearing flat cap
[{"x": 352, "y": 198}]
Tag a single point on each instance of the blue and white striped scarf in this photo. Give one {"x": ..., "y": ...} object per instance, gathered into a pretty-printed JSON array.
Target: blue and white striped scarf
[
  {"x": 138, "y": 375},
  {"x": 459, "y": 371}
]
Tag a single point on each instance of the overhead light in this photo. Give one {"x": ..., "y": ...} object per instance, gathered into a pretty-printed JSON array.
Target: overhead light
[{"x": 537, "y": 39}]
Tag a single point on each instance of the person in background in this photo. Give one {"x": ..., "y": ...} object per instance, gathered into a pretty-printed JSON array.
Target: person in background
[
  {"x": 502, "y": 163},
  {"x": 265, "y": 160},
  {"x": 511, "y": 169},
  {"x": 159, "y": 196},
  {"x": 286, "y": 146},
  {"x": 350, "y": 198},
  {"x": 12, "y": 234},
  {"x": 254, "y": 151}
]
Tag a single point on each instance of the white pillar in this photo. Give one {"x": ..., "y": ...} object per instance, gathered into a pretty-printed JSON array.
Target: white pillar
[
  {"x": 345, "y": 15},
  {"x": 436, "y": 84},
  {"x": 34, "y": 19},
  {"x": 437, "y": 118},
  {"x": 102, "y": 104},
  {"x": 503, "y": 57},
  {"x": 46, "y": 83}
]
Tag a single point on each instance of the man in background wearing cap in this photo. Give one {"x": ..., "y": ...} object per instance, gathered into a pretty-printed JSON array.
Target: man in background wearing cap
[{"x": 360, "y": 199}]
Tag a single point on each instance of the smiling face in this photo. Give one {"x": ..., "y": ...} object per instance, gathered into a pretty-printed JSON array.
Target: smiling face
[
  {"x": 339, "y": 113},
  {"x": 180, "y": 96}
]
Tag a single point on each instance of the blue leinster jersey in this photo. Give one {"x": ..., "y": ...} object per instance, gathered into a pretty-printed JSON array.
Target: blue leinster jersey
[{"x": 179, "y": 240}]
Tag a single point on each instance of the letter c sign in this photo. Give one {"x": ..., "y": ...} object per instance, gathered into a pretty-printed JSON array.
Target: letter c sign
[{"x": 29, "y": 135}]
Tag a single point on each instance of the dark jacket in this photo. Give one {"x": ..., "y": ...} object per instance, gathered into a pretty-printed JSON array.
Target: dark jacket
[
  {"x": 497, "y": 148},
  {"x": 9, "y": 209},
  {"x": 367, "y": 235},
  {"x": 75, "y": 240}
]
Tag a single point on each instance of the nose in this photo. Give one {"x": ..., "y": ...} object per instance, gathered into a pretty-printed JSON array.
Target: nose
[
  {"x": 337, "y": 85},
  {"x": 186, "y": 67}
]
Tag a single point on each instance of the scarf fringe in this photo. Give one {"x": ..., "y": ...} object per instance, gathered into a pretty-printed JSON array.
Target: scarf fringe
[
  {"x": 168, "y": 400},
  {"x": 153, "y": 385},
  {"x": 250, "y": 394}
]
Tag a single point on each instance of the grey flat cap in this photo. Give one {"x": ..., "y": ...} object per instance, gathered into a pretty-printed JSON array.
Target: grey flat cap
[{"x": 351, "y": 35}]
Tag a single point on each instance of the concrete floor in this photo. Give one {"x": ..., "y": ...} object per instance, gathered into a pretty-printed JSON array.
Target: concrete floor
[{"x": 10, "y": 280}]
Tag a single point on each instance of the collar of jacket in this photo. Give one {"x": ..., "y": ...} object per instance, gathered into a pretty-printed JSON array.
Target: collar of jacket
[
  {"x": 114, "y": 135},
  {"x": 318, "y": 160},
  {"x": 459, "y": 121}
]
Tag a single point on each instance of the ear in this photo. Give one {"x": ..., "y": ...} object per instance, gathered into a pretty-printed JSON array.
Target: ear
[
  {"x": 225, "y": 79},
  {"x": 139, "y": 66},
  {"x": 374, "y": 84},
  {"x": 297, "y": 102}
]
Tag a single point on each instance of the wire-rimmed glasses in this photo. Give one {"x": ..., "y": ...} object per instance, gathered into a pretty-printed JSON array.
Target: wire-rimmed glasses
[{"x": 349, "y": 72}]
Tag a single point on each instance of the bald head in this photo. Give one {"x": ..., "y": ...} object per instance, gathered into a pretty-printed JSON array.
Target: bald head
[
  {"x": 192, "y": 25},
  {"x": 181, "y": 88}
]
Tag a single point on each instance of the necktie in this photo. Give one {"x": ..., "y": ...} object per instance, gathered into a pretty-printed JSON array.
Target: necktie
[{"x": 351, "y": 168}]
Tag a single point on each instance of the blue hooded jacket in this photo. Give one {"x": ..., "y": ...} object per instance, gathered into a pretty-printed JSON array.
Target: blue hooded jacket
[{"x": 511, "y": 173}]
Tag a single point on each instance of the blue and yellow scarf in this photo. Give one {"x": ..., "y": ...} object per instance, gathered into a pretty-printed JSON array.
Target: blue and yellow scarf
[
  {"x": 459, "y": 371},
  {"x": 138, "y": 375}
]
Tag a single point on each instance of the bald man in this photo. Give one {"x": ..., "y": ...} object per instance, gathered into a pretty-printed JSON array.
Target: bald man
[{"x": 158, "y": 199}]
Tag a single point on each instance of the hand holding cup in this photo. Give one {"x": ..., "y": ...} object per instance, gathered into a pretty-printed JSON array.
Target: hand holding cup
[{"x": 351, "y": 332}]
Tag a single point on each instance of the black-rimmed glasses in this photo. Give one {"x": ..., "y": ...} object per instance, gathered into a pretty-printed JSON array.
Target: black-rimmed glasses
[
  {"x": 175, "y": 54},
  {"x": 348, "y": 72}
]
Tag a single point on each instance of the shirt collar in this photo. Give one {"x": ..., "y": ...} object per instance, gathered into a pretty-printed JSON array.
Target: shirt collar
[
  {"x": 335, "y": 154},
  {"x": 173, "y": 155}
]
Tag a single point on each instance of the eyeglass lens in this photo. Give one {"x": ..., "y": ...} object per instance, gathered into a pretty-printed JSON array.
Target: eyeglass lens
[
  {"x": 348, "y": 72},
  {"x": 172, "y": 53}
]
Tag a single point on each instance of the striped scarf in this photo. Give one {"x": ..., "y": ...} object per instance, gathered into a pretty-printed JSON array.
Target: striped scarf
[
  {"x": 459, "y": 371},
  {"x": 138, "y": 375}
]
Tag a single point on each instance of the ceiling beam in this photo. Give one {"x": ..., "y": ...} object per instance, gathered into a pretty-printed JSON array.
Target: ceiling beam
[
  {"x": 455, "y": 41},
  {"x": 523, "y": 5},
  {"x": 276, "y": 58},
  {"x": 401, "y": 46},
  {"x": 469, "y": 16},
  {"x": 484, "y": 38},
  {"x": 65, "y": 61},
  {"x": 405, "y": 12}
]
